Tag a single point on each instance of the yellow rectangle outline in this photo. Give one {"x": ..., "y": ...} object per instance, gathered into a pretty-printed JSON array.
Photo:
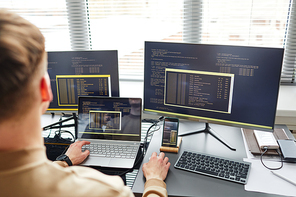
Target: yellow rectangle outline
[
  {"x": 75, "y": 76},
  {"x": 200, "y": 72},
  {"x": 210, "y": 110},
  {"x": 114, "y": 112},
  {"x": 81, "y": 76},
  {"x": 109, "y": 133},
  {"x": 196, "y": 72},
  {"x": 56, "y": 109}
]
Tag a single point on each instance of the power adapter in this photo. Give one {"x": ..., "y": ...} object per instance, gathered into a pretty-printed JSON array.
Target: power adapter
[{"x": 288, "y": 149}]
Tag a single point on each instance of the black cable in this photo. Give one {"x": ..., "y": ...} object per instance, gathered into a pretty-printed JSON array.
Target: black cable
[
  {"x": 65, "y": 150},
  {"x": 151, "y": 132},
  {"x": 49, "y": 133},
  {"x": 60, "y": 131},
  {"x": 282, "y": 162},
  {"x": 146, "y": 137},
  {"x": 150, "y": 120},
  {"x": 135, "y": 164},
  {"x": 147, "y": 133},
  {"x": 65, "y": 131}
]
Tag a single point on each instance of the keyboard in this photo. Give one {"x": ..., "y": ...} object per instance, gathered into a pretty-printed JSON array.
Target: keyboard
[
  {"x": 214, "y": 166},
  {"x": 112, "y": 150}
]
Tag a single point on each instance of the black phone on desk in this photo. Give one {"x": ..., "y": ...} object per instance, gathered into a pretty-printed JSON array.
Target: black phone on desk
[{"x": 170, "y": 132}]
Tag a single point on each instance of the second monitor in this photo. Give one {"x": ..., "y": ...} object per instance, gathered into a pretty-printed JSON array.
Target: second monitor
[
  {"x": 229, "y": 85},
  {"x": 81, "y": 73}
]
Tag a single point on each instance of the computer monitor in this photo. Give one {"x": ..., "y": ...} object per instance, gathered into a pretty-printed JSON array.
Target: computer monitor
[
  {"x": 114, "y": 118},
  {"x": 228, "y": 85},
  {"x": 81, "y": 73}
]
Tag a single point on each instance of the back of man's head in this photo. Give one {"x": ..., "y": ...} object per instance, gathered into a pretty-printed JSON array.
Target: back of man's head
[{"x": 21, "y": 51}]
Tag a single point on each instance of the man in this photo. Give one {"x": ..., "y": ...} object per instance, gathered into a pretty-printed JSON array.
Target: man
[{"x": 25, "y": 94}]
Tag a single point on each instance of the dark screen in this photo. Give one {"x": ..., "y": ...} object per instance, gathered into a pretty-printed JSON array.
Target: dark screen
[
  {"x": 109, "y": 118},
  {"x": 231, "y": 85},
  {"x": 81, "y": 73}
]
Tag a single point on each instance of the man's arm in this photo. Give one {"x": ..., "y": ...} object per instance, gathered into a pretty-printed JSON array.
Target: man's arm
[{"x": 155, "y": 172}]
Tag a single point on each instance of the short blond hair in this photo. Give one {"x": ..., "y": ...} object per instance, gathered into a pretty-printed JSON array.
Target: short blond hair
[{"x": 22, "y": 47}]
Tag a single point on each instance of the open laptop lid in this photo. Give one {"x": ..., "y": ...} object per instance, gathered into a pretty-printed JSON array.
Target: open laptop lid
[{"x": 109, "y": 118}]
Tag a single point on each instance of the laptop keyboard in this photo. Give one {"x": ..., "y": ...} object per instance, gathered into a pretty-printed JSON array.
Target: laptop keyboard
[{"x": 112, "y": 150}]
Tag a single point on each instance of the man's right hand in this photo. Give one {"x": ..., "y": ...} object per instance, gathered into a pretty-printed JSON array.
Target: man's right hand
[
  {"x": 157, "y": 167},
  {"x": 75, "y": 153}
]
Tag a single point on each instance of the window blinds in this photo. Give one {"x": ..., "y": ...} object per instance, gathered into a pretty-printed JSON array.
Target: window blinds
[
  {"x": 78, "y": 21},
  {"x": 232, "y": 22},
  {"x": 125, "y": 25},
  {"x": 266, "y": 23},
  {"x": 289, "y": 65}
]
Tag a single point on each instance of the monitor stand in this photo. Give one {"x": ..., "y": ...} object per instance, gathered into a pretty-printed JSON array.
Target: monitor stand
[{"x": 209, "y": 130}]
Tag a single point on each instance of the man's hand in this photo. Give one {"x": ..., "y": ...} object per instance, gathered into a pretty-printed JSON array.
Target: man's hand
[
  {"x": 157, "y": 167},
  {"x": 75, "y": 153}
]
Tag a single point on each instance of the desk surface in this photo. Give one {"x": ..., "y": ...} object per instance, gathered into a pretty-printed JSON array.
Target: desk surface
[{"x": 182, "y": 183}]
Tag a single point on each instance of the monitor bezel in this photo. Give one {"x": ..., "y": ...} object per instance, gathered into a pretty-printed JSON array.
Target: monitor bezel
[
  {"x": 208, "y": 120},
  {"x": 63, "y": 110}
]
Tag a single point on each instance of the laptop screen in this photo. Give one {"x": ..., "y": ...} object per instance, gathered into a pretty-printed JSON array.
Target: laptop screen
[{"x": 110, "y": 118}]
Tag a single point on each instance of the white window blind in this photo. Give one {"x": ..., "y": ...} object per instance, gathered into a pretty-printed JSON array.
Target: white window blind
[
  {"x": 49, "y": 16},
  {"x": 232, "y": 22},
  {"x": 78, "y": 18},
  {"x": 289, "y": 65},
  {"x": 124, "y": 25},
  {"x": 266, "y": 23}
]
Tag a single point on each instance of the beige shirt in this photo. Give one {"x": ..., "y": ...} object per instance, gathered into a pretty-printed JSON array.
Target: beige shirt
[{"x": 29, "y": 173}]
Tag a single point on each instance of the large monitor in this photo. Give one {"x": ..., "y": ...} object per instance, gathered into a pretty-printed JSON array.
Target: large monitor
[
  {"x": 81, "y": 73},
  {"x": 229, "y": 85}
]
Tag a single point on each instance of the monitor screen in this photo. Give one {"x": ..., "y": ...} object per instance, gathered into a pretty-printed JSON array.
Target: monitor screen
[
  {"x": 81, "y": 73},
  {"x": 109, "y": 118},
  {"x": 229, "y": 85}
]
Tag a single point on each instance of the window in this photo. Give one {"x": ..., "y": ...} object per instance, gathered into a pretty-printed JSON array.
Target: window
[
  {"x": 289, "y": 65},
  {"x": 49, "y": 16},
  {"x": 124, "y": 25},
  {"x": 248, "y": 22},
  {"x": 267, "y": 23}
]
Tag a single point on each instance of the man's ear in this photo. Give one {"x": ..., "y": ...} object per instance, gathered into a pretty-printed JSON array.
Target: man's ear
[{"x": 45, "y": 87}]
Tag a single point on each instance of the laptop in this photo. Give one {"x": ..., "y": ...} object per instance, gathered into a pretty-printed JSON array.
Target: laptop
[{"x": 113, "y": 126}]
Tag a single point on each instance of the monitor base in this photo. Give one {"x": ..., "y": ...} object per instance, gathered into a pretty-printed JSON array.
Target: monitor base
[{"x": 209, "y": 130}]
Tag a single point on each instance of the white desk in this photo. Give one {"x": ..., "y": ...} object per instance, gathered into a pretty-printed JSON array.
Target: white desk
[{"x": 187, "y": 184}]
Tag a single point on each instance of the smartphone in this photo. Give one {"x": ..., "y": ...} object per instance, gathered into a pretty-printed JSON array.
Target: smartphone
[{"x": 170, "y": 132}]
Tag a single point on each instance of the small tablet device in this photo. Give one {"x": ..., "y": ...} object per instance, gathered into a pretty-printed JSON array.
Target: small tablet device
[{"x": 170, "y": 132}]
